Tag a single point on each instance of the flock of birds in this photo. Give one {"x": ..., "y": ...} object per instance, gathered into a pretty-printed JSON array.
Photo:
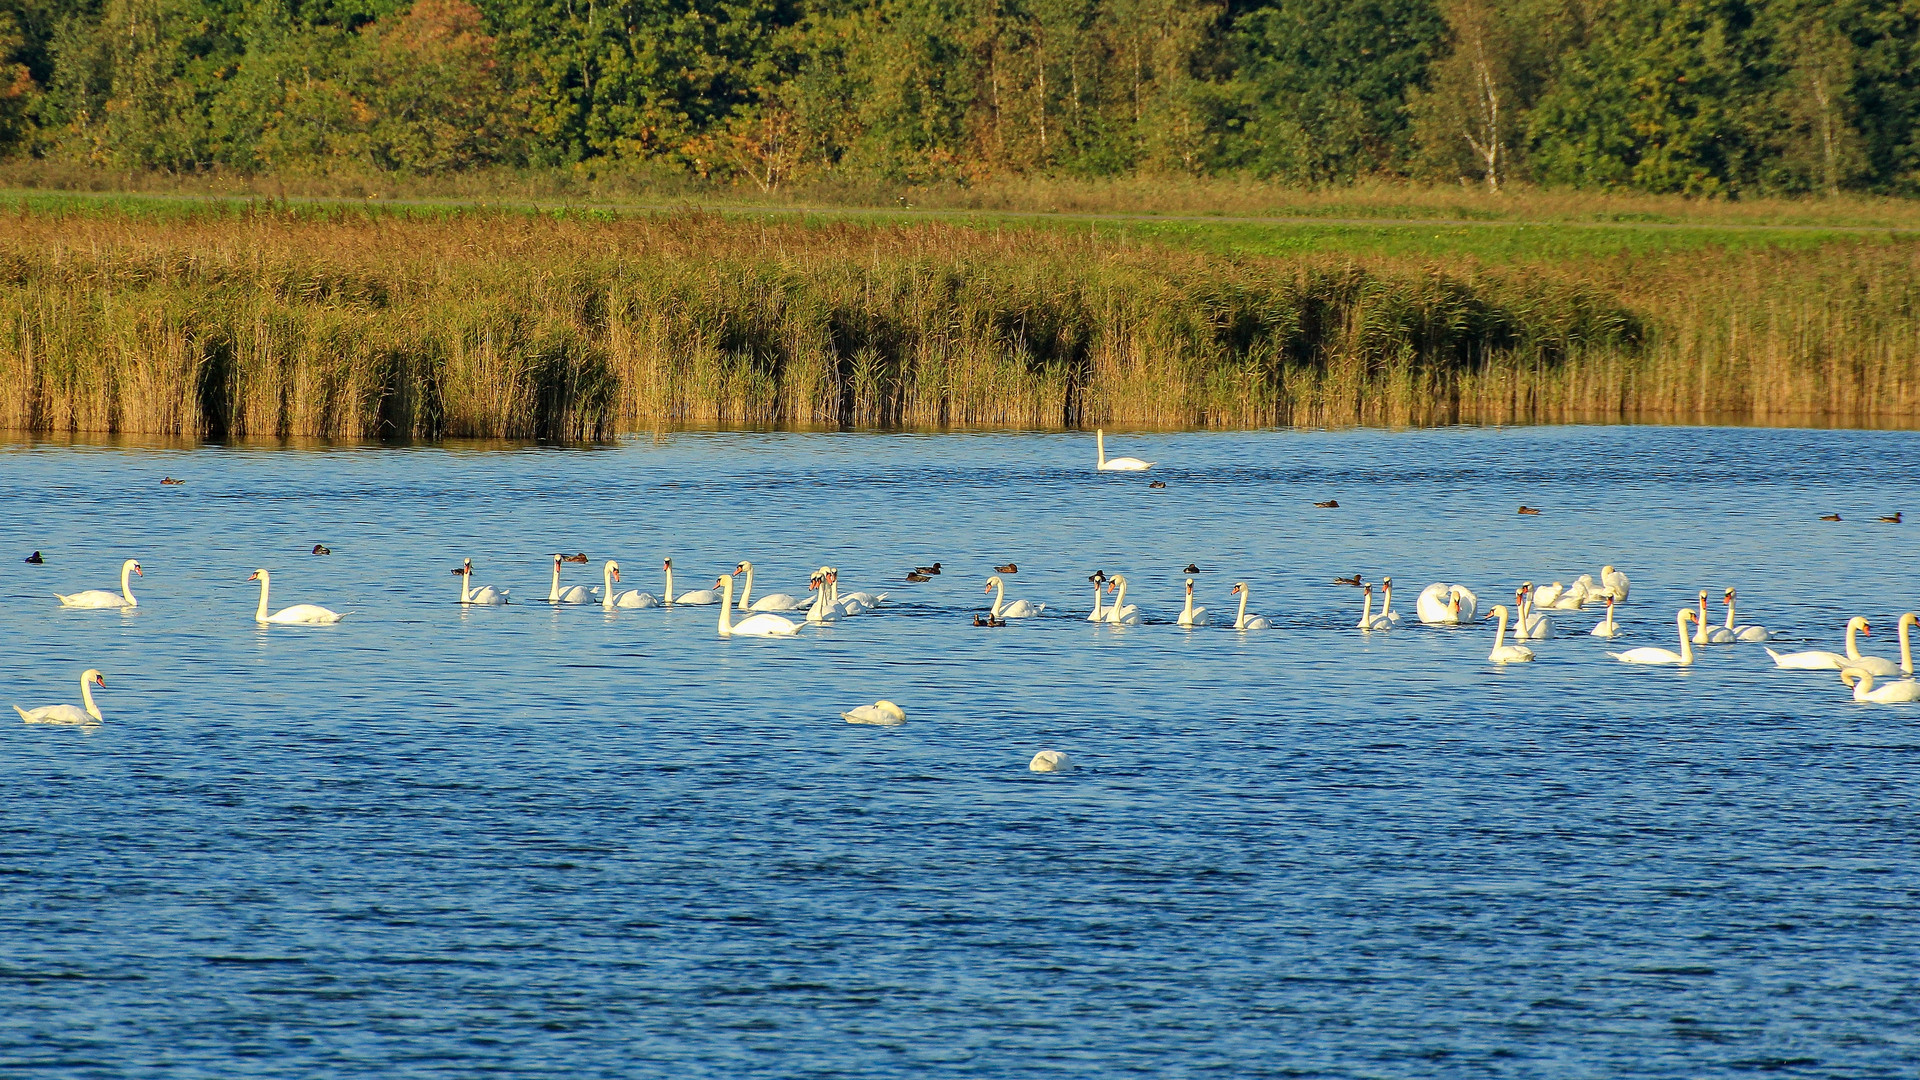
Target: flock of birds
[{"x": 1439, "y": 604}]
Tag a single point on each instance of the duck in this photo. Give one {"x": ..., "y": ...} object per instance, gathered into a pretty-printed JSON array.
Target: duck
[
  {"x": 988, "y": 620},
  {"x": 1009, "y": 568},
  {"x": 1504, "y": 653},
  {"x": 578, "y": 556},
  {"x": 1893, "y": 520},
  {"x": 1098, "y": 577},
  {"x": 1353, "y": 581},
  {"x": 171, "y": 480},
  {"x": 930, "y": 571},
  {"x": 882, "y": 713},
  {"x": 1330, "y": 504},
  {"x": 1157, "y": 485},
  {"x": 1525, "y": 509},
  {"x": 1829, "y": 517},
  {"x": 322, "y": 549},
  {"x": 88, "y": 713},
  {"x": 35, "y": 559},
  {"x": 917, "y": 577},
  {"x": 1192, "y": 568}
]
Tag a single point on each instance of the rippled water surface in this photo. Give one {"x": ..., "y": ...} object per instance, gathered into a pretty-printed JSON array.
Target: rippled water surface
[{"x": 552, "y": 841}]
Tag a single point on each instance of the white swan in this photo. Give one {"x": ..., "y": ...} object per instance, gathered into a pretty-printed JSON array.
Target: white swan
[
  {"x": 1386, "y": 603},
  {"x": 1607, "y": 627},
  {"x": 1099, "y": 614},
  {"x": 1121, "y": 613},
  {"x": 1050, "y": 761},
  {"x": 297, "y": 615},
  {"x": 1368, "y": 620},
  {"x": 695, "y": 598},
  {"x": 1528, "y": 626},
  {"x": 1119, "y": 464},
  {"x": 1191, "y": 616},
  {"x": 1745, "y": 632},
  {"x": 1614, "y": 582},
  {"x": 68, "y": 714},
  {"x": 882, "y": 713},
  {"x": 1546, "y": 595},
  {"x": 1504, "y": 653},
  {"x": 101, "y": 598},
  {"x": 1705, "y": 633},
  {"x": 765, "y": 624},
  {"x": 578, "y": 594},
  {"x": 632, "y": 598},
  {"x": 1649, "y": 655},
  {"x": 1891, "y": 693},
  {"x": 854, "y": 603},
  {"x": 485, "y": 595},
  {"x": 1906, "y": 644},
  {"x": 1822, "y": 660},
  {"x": 1019, "y": 609},
  {"x": 822, "y": 610},
  {"x": 1446, "y": 604},
  {"x": 775, "y": 602},
  {"x": 1243, "y": 621}
]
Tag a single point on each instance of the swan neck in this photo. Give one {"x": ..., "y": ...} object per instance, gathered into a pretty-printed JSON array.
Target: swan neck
[
  {"x": 999, "y": 596},
  {"x": 1906, "y": 651},
  {"x": 1730, "y": 615},
  {"x": 1100, "y": 444},
  {"x": 126, "y": 584},
  {"x": 1853, "y": 647},
  {"x": 748, "y": 591},
  {"x": 1686, "y": 645},
  {"x": 1098, "y": 609},
  {"x": 553, "y": 591},
  {"x": 726, "y": 608},
  {"x": 1366, "y": 608},
  {"x": 1500, "y": 635},
  {"x": 86, "y": 698},
  {"x": 466, "y": 588},
  {"x": 1240, "y": 621},
  {"x": 606, "y": 592},
  {"x": 261, "y": 615},
  {"x": 669, "y": 599}
]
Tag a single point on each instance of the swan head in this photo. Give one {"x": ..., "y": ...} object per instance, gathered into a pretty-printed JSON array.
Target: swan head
[
  {"x": 257, "y": 575},
  {"x": 1727, "y": 599},
  {"x": 991, "y": 582},
  {"x": 743, "y": 567},
  {"x": 1387, "y": 582},
  {"x": 133, "y": 565},
  {"x": 92, "y": 675},
  {"x": 724, "y": 581},
  {"x": 1910, "y": 619},
  {"x": 1859, "y": 623},
  {"x": 1189, "y": 586},
  {"x": 614, "y": 569},
  {"x": 1499, "y": 612},
  {"x": 1852, "y": 675},
  {"x": 1689, "y": 615},
  {"x": 666, "y": 564},
  {"x": 1238, "y": 588}
]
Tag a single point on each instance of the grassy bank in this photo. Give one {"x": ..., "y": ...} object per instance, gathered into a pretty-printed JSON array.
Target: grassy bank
[{"x": 246, "y": 320}]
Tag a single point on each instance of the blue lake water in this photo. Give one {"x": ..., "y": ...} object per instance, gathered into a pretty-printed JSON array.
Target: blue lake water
[{"x": 539, "y": 841}]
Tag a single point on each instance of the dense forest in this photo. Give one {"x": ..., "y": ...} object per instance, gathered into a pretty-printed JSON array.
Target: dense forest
[{"x": 1704, "y": 97}]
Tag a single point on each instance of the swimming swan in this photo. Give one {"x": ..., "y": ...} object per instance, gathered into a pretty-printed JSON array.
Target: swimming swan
[
  {"x": 1891, "y": 693},
  {"x": 822, "y": 610},
  {"x": 695, "y": 598},
  {"x": 1822, "y": 660},
  {"x": 765, "y": 624},
  {"x": 882, "y": 713},
  {"x": 1019, "y": 609},
  {"x": 1243, "y": 621},
  {"x": 1386, "y": 603},
  {"x": 297, "y": 615},
  {"x": 1191, "y": 616},
  {"x": 1607, "y": 627},
  {"x": 1528, "y": 626},
  {"x": 100, "y": 598},
  {"x": 578, "y": 594},
  {"x": 1614, "y": 582},
  {"x": 1119, "y": 464},
  {"x": 775, "y": 602},
  {"x": 1368, "y": 620},
  {"x": 1121, "y": 613},
  {"x": 632, "y": 598},
  {"x": 1504, "y": 653},
  {"x": 1446, "y": 604},
  {"x": 1748, "y": 631},
  {"x": 1099, "y": 614},
  {"x": 1649, "y": 655},
  {"x": 1705, "y": 633},
  {"x": 485, "y": 595},
  {"x": 68, "y": 714}
]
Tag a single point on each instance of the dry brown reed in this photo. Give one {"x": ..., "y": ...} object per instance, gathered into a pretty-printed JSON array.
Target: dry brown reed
[{"x": 518, "y": 326}]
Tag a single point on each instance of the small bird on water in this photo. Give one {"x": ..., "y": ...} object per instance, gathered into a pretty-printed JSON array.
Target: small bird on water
[
  {"x": 988, "y": 620},
  {"x": 580, "y": 557},
  {"x": 927, "y": 570},
  {"x": 1008, "y": 569},
  {"x": 1097, "y": 577},
  {"x": 1193, "y": 568},
  {"x": 322, "y": 549},
  {"x": 1525, "y": 509},
  {"x": 1829, "y": 517},
  {"x": 1894, "y": 520},
  {"x": 1353, "y": 581},
  {"x": 171, "y": 480},
  {"x": 35, "y": 559},
  {"x": 1330, "y": 504},
  {"x": 1158, "y": 484},
  {"x": 916, "y": 577}
]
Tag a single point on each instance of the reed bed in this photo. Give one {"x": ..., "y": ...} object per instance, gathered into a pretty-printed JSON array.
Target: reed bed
[{"x": 523, "y": 326}]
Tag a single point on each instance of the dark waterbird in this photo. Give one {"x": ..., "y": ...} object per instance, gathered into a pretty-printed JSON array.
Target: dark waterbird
[
  {"x": 1894, "y": 520},
  {"x": 1193, "y": 568},
  {"x": 35, "y": 559},
  {"x": 581, "y": 557},
  {"x": 1009, "y": 568},
  {"x": 988, "y": 620},
  {"x": 930, "y": 571},
  {"x": 1525, "y": 509},
  {"x": 171, "y": 480},
  {"x": 1158, "y": 484},
  {"x": 1829, "y": 517},
  {"x": 1353, "y": 581},
  {"x": 322, "y": 549},
  {"x": 1330, "y": 504},
  {"x": 916, "y": 577}
]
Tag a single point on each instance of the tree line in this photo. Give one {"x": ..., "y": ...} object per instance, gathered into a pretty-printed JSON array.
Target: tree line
[{"x": 1701, "y": 97}]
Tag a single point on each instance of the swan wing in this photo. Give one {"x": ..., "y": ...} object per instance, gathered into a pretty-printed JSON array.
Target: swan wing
[
  {"x": 635, "y": 599},
  {"x": 1025, "y": 609},
  {"x": 1811, "y": 660},
  {"x": 1647, "y": 656},
  {"x": 765, "y": 625},
  {"x": 777, "y": 602},
  {"x": 93, "y": 598},
  {"x": 698, "y": 597},
  {"x": 1752, "y": 633},
  {"x": 1258, "y": 622},
  {"x": 1511, "y": 654},
  {"x": 1432, "y": 604},
  {"x": 578, "y": 594},
  {"x": 1874, "y": 665},
  {"x": 55, "y": 714},
  {"x": 305, "y": 613},
  {"x": 1125, "y": 464},
  {"x": 1904, "y": 690}
]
